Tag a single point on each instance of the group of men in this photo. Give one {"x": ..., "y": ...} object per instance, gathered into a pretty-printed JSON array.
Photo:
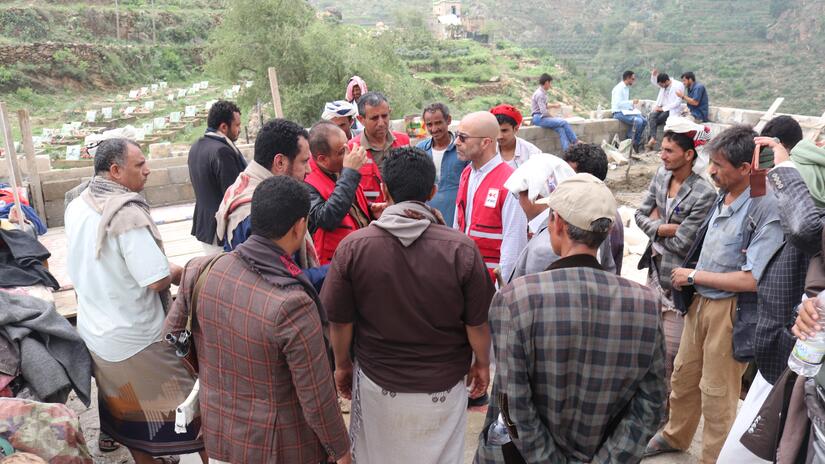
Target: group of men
[
  {"x": 356, "y": 266},
  {"x": 687, "y": 98}
]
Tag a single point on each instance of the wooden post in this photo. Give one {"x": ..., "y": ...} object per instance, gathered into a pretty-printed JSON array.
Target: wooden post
[
  {"x": 154, "y": 36},
  {"x": 276, "y": 93},
  {"x": 31, "y": 163},
  {"x": 768, "y": 115},
  {"x": 117, "y": 19},
  {"x": 11, "y": 158},
  {"x": 813, "y": 135}
]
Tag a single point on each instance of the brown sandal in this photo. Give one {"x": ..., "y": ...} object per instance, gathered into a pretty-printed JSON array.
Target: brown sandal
[
  {"x": 658, "y": 445},
  {"x": 167, "y": 459},
  {"x": 105, "y": 443}
]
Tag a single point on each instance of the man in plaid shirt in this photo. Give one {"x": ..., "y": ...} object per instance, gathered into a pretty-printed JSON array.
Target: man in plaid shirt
[{"x": 579, "y": 350}]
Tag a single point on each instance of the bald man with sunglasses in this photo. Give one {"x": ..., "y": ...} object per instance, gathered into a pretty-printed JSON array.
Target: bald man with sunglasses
[{"x": 485, "y": 210}]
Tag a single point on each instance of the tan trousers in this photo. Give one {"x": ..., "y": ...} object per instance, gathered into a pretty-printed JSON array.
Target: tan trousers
[
  {"x": 674, "y": 324},
  {"x": 706, "y": 379}
]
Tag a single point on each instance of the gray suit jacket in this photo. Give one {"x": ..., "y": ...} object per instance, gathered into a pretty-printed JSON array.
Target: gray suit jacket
[{"x": 690, "y": 208}]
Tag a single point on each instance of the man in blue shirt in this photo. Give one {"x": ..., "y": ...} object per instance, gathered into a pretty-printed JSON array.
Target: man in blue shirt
[
  {"x": 696, "y": 98},
  {"x": 441, "y": 148},
  {"x": 717, "y": 284},
  {"x": 624, "y": 110}
]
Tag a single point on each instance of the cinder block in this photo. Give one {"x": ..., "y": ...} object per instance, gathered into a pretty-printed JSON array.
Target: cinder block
[
  {"x": 54, "y": 213},
  {"x": 158, "y": 177},
  {"x": 55, "y": 190},
  {"x": 162, "y": 195},
  {"x": 185, "y": 193},
  {"x": 160, "y": 150},
  {"x": 178, "y": 174}
]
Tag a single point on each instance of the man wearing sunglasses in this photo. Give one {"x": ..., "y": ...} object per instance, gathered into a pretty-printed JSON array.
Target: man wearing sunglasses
[{"x": 484, "y": 210}]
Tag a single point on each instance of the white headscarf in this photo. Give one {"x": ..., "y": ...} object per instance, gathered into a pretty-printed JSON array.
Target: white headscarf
[
  {"x": 338, "y": 108},
  {"x": 539, "y": 175},
  {"x": 700, "y": 135}
]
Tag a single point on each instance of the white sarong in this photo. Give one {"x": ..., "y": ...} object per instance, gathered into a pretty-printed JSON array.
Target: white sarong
[{"x": 407, "y": 427}]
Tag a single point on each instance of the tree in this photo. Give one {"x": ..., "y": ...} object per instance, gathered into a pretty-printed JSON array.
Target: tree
[{"x": 314, "y": 58}]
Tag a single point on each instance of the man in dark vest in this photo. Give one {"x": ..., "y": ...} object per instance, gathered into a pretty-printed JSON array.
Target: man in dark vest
[
  {"x": 214, "y": 163},
  {"x": 338, "y": 206}
]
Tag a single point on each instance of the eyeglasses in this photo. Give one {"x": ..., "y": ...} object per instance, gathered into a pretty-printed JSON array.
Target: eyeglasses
[{"x": 463, "y": 137}]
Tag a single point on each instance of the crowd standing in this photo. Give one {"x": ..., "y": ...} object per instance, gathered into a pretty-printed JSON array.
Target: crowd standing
[{"x": 469, "y": 270}]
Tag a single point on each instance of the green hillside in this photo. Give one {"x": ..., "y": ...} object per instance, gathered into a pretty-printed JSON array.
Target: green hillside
[
  {"x": 747, "y": 52},
  {"x": 78, "y": 45}
]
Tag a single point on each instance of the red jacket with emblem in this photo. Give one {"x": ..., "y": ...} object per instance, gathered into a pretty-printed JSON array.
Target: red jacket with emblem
[
  {"x": 486, "y": 227},
  {"x": 370, "y": 171},
  {"x": 326, "y": 241}
]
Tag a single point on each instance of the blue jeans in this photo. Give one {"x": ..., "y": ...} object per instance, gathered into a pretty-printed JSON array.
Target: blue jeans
[
  {"x": 559, "y": 125},
  {"x": 636, "y": 125}
]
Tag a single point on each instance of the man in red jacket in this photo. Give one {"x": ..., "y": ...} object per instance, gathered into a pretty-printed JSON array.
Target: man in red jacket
[
  {"x": 338, "y": 205},
  {"x": 378, "y": 139}
]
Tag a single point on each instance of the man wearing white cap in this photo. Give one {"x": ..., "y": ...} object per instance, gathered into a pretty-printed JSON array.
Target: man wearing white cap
[
  {"x": 532, "y": 181},
  {"x": 579, "y": 350},
  {"x": 341, "y": 113}
]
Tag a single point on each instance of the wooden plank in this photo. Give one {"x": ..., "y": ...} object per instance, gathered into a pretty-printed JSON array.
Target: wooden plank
[
  {"x": 276, "y": 93},
  {"x": 813, "y": 134},
  {"x": 31, "y": 162},
  {"x": 11, "y": 158},
  {"x": 768, "y": 114}
]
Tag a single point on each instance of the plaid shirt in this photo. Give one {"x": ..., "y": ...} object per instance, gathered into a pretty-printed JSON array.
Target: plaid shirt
[
  {"x": 690, "y": 208},
  {"x": 266, "y": 389},
  {"x": 580, "y": 357},
  {"x": 780, "y": 289}
]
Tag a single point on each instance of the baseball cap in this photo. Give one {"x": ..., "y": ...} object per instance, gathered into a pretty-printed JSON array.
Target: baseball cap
[{"x": 582, "y": 199}]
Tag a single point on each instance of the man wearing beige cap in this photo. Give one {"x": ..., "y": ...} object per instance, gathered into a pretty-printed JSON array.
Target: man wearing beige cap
[{"x": 579, "y": 350}]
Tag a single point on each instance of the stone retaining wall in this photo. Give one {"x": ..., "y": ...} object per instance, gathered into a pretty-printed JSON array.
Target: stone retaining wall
[{"x": 169, "y": 183}]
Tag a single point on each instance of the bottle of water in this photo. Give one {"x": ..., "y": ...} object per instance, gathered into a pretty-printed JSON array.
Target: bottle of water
[
  {"x": 806, "y": 357},
  {"x": 497, "y": 434}
]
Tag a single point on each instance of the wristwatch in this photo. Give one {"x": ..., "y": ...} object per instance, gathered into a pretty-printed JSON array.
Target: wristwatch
[{"x": 691, "y": 276}]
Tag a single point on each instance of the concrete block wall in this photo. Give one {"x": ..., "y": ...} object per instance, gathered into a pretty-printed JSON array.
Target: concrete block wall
[
  {"x": 169, "y": 181},
  {"x": 588, "y": 130},
  {"x": 168, "y": 184}
]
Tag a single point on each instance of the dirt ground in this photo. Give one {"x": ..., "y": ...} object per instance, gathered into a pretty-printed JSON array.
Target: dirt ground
[{"x": 628, "y": 185}]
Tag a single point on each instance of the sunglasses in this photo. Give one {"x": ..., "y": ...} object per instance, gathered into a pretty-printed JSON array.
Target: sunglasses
[{"x": 463, "y": 137}]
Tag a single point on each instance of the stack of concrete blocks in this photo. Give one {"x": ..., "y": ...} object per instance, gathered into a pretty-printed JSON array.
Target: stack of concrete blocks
[
  {"x": 168, "y": 184},
  {"x": 587, "y": 130}
]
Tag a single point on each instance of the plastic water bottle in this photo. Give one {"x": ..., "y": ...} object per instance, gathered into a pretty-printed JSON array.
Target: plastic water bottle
[
  {"x": 806, "y": 357},
  {"x": 497, "y": 434}
]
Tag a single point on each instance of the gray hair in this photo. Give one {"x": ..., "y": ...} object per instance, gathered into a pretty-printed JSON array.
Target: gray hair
[
  {"x": 109, "y": 152},
  {"x": 370, "y": 99},
  {"x": 590, "y": 238},
  {"x": 735, "y": 144}
]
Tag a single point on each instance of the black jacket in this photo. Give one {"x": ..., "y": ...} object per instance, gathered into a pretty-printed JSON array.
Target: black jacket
[
  {"x": 213, "y": 167},
  {"x": 328, "y": 213}
]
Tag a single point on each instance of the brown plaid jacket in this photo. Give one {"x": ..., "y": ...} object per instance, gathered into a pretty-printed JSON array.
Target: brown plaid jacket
[{"x": 266, "y": 389}]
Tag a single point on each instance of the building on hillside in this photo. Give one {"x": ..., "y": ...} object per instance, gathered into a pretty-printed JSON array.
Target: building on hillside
[{"x": 448, "y": 22}]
